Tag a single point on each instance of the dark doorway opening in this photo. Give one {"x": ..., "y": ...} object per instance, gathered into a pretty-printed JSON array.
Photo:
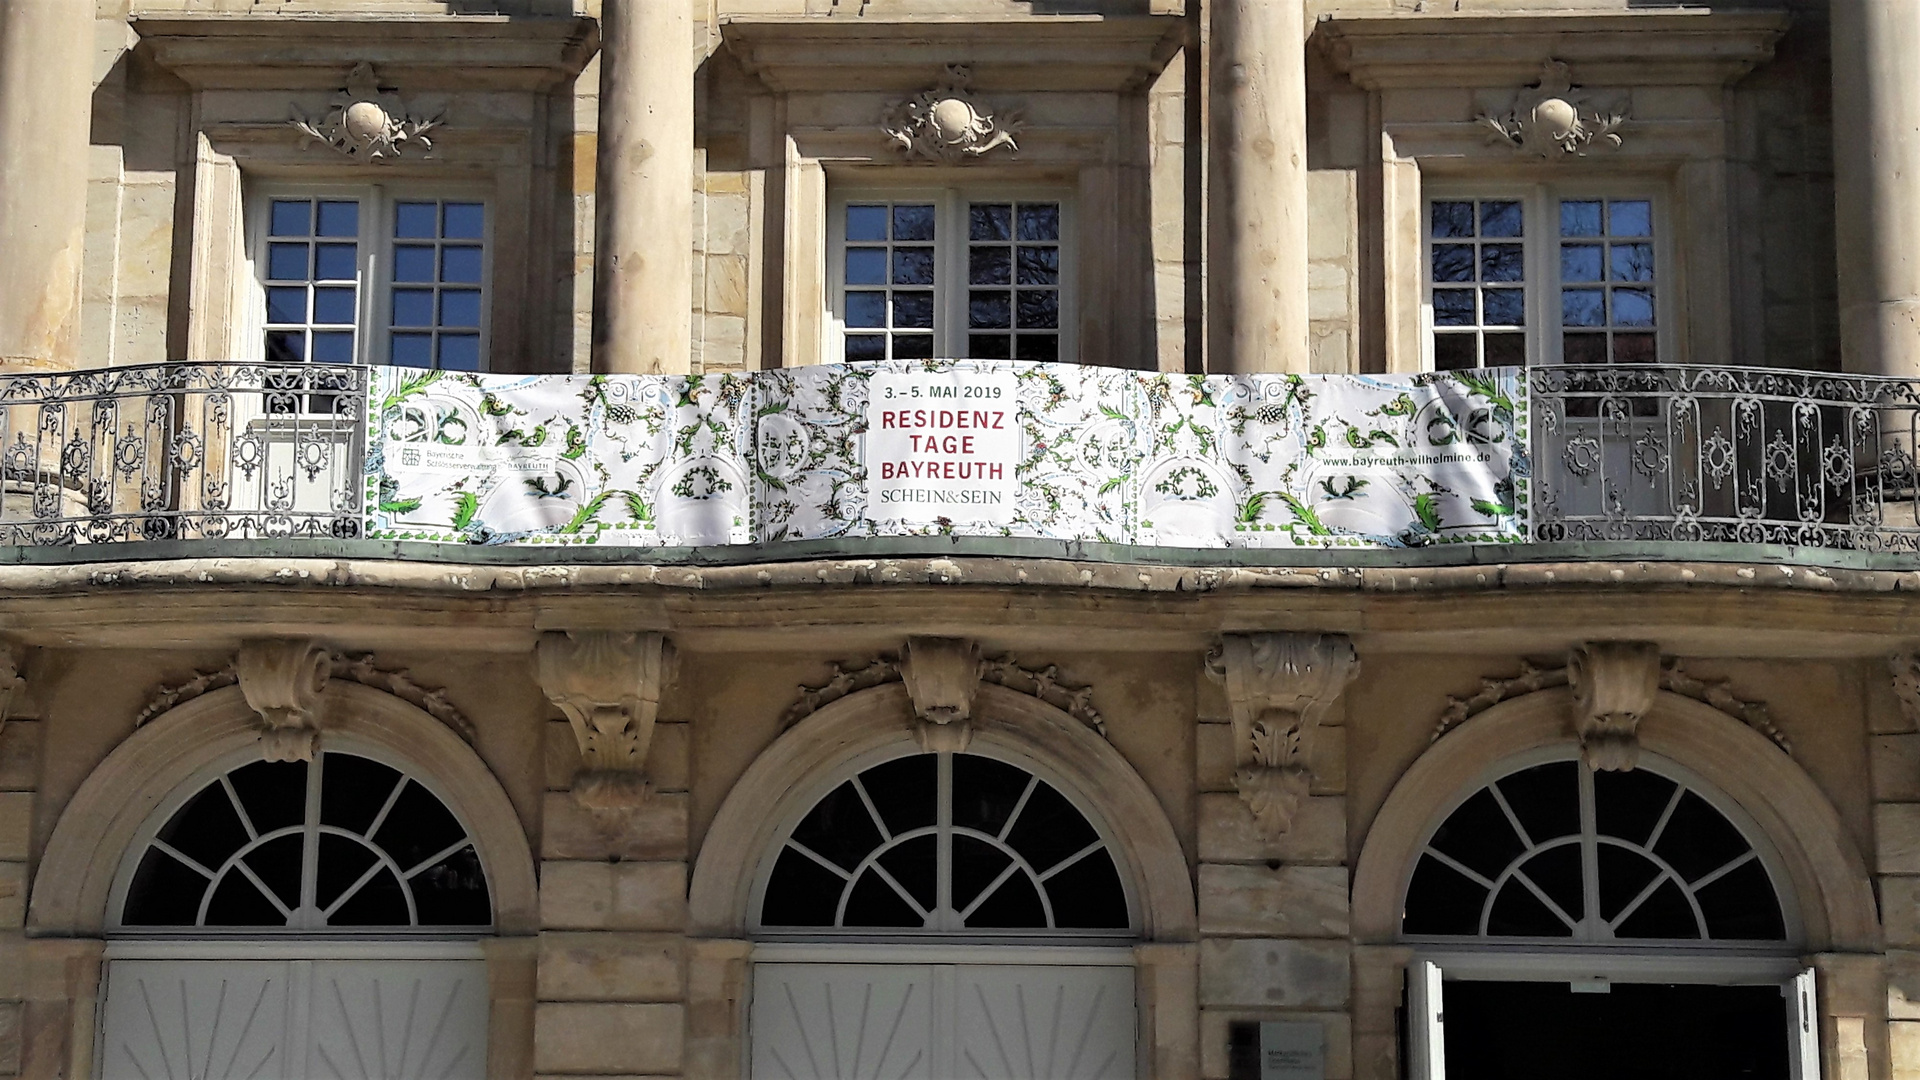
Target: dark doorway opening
[{"x": 1528, "y": 1030}]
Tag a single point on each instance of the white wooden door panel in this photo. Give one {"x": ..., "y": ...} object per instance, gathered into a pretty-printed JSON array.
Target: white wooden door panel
[
  {"x": 193, "y": 1020},
  {"x": 397, "y": 1020},
  {"x": 843, "y": 1022},
  {"x": 1064, "y": 1023},
  {"x": 294, "y": 1020}
]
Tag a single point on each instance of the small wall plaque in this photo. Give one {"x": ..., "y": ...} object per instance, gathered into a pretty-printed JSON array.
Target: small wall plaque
[{"x": 1292, "y": 1051}]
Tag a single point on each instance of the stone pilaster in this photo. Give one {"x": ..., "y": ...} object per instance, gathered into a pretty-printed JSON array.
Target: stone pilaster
[
  {"x": 643, "y": 246},
  {"x": 611, "y": 975},
  {"x": 1257, "y": 310},
  {"x": 1876, "y": 179},
  {"x": 1274, "y": 914},
  {"x": 46, "y": 104}
]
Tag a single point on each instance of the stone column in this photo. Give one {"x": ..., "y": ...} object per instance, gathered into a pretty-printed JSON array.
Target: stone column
[
  {"x": 46, "y": 105},
  {"x": 643, "y": 237},
  {"x": 1258, "y": 218},
  {"x": 1876, "y": 179}
]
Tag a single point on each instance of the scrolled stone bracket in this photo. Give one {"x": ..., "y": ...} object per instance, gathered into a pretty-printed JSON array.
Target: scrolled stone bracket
[
  {"x": 608, "y": 683},
  {"x": 942, "y": 677},
  {"x": 1614, "y": 683},
  {"x": 1279, "y": 687},
  {"x": 282, "y": 680},
  {"x": 362, "y": 669}
]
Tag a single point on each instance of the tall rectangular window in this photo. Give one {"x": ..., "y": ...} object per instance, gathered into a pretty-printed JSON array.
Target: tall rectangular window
[
  {"x": 365, "y": 276},
  {"x": 951, "y": 274},
  {"x": 1542, "y": 276}
]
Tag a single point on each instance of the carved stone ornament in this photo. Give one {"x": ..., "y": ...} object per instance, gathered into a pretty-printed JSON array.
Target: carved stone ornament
[
  {"x": 947, "y": 124},
  {"x": 608, "y": 683},
  {"x": 1905, "y": 669},
  {"x": 282, "y": 681},
  {"x": 367, "y": 122},
  {"x": 942, "y": 677},
  {"x": 1556, "y": 119},
  {"x": 1614, "y": 683},
  {"x": 1279, "y": 686},
  {"x": 1044, "y": 684}
]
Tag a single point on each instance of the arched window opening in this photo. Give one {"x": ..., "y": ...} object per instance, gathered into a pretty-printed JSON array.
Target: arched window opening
[
  {"x": 344, "y": 842},
  {"x": 945, "y": 843},
  {"x": 1560, "y": 851}
]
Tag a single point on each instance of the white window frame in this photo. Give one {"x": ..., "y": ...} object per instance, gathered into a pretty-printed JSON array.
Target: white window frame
[
  {"x": 950, "y": 260},
  {"x": 1541, "y": 241},
  {"x": 376, "y": 241}
]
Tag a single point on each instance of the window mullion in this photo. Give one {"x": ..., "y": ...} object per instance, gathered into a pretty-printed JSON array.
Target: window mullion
[
  {"x": 1591, "y": 926},
  {"x": 943, "y": 858},
  {"x": 951, "y": 308},
  {"x": 373, "y": 227},
  {"x": 310, "y": 848}
]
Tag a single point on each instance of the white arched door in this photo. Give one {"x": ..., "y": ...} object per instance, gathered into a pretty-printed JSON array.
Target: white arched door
[
  {"x": 299, "y": 921},
  {"x": 943, "y": 915}
]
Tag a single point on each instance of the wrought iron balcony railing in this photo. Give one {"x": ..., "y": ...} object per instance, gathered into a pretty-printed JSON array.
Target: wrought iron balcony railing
[{"x": 301, "y": 453}]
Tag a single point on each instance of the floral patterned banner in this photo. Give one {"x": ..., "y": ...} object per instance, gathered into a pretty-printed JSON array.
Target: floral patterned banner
[{"x": 1097, "y": 454}]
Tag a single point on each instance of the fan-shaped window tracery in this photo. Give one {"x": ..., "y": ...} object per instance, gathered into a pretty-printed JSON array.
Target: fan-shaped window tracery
[
  {"x": 342, "y": 842},
  {"x": 945, "y": 842}
]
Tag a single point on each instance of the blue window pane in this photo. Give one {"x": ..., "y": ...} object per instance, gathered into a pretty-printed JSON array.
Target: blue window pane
[
  {"x": 990, "y": 221},
  {"x": 286, "y": 262},
  {"x": 866, "y": 347},
  {"x": 1580, "y": 262},
  {"x": 1633, "y": 217},
  {"x": 464, "y": 221},
  {"x": 460, "y": 307},
  {"x": 333, "y": 307},
  {"x": 866, "y": 266},
  {"x": 989, "y": 347},
  {"x": 1453, "y": 307},
  {"x": 1453, "y": 262},
  {"x": 460, "y": 352},
  {"x": 990, "y": 266},
  {"x": 913, "y": 310},
  {"x": 339, "y": 219},
  {"x": 291, "y": 218},
  {"x": 913, "y": 223},
  {"x": 1580, "y": 218},
  {"x": 1632, "y": 262},
  {"x": 333, "y": 348},
  {"x": 336, "y": 262},
  {"x": 1039, "y": 265},
  {"x": 287, "y": 305},
  {"x": 286, "y": 345},
  {"x": 411, "y": 350},
  {"x": 866, "y": 309},
  {"x": 461, "y": 264},
  {"x": 412, "y": 263},
  {"x": 1040, "y": 221},
  {"x": 1452, "y": 219},
  {"x": 913, "y": 266},
  {"x": 1632, "y": 307},
  {"x": 1504, "y": 307},
  {"x": 1039, "y": 310},
  {"x": 1500, "y": 219},
  {"x": 415, "y": 221},
  {"x": 1502, "y": 262},
  {"x": 913, "y": 347},
  {"x": 413, "y": 307},
  {"x": 1041, "y": 347},
  {"x": 866, "y": 223},
  {"x": 989, "y": 310},
  {"x": 1583, "y": 307}
]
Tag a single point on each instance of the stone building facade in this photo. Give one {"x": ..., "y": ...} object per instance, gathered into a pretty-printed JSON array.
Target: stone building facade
[{"x": 280, "y": 799}]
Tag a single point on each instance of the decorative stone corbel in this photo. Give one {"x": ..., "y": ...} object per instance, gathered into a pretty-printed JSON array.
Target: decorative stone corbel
[
  {"x": 942, "y": 677},
  {"x": 608, "y": 683},
  {"x": 282, "y": 681},
  {"x": 1279, "y": 686},
  {"x": 1614, "y": 683}
]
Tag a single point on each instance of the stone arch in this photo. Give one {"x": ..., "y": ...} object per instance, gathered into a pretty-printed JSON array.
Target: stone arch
[
  {"x": 855, "y": 725},
  {"x": 75, "y": 881},
  {"x": 1827, "y": 875}
]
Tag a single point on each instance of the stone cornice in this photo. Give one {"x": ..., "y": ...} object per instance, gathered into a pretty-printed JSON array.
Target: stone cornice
[
  {"x": 1620, "y": 49},
  {"x": 1024, "y": 53},
  {"x": 313, "y": 52}
]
